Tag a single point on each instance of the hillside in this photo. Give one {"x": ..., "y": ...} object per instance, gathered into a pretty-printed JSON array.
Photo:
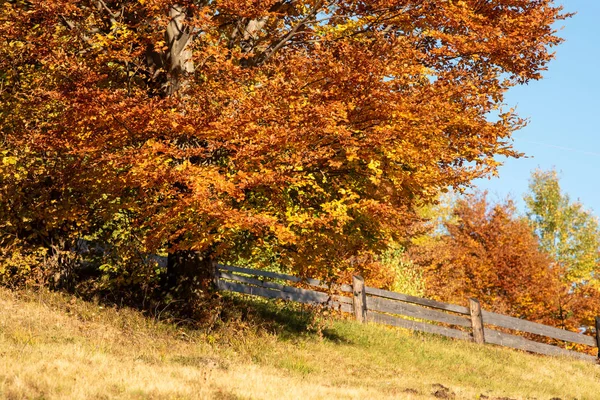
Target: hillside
[{"x": 57, "y": 347}]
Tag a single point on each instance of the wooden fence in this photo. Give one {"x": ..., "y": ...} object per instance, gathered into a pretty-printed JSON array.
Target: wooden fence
[{"x": 385, "y": 307}]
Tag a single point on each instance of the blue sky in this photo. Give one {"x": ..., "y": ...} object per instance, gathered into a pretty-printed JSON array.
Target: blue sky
[{"x": 564, "y": 113}]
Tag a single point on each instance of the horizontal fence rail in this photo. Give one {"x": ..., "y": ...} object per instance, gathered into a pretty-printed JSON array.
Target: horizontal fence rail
[
  {"x": 517, "y": 324},
  {"x": 418, "y": 326},
  {"x": 521, "y": 343},
  {"x": 248, "y": 281},
  {"x": 417, "y": 300},
  {"x": 405, "y": 311},
  {"x": 414, "y": 311}
]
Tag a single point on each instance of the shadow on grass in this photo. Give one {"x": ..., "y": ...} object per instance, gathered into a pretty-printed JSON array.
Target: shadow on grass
[
  {"x": 225, "y": 311},
  {"x": 286, "y": 319}
]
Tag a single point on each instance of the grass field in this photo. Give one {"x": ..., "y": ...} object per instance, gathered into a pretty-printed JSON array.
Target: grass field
[{"x": 56, "y": 347}]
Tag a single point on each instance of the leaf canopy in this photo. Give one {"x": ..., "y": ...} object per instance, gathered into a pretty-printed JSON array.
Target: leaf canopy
[{"x": 217, "y": 125}]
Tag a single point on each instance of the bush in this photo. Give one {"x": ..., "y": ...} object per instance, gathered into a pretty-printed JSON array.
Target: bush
[{"x": 408, "y": 277}]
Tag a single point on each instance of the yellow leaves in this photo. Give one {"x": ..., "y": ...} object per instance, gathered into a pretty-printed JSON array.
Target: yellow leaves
[
  {"x": 344, "y": 29},
  {"x": 160, "y": 45},
  {"x": 377, "y": 172},
  {"x": 9, "y": 160},
  {"x": 337, "y": 209},
  {"x": 374, "y": 166},
  {"x": 185, "y": 164},
  {"x": 284, "y": 234},
  {"x": 16, "y": 44},
  {"x": 351, "y": 154},
  {"x": 335, "y": 163},
  {"x": 297, "y": 219}
]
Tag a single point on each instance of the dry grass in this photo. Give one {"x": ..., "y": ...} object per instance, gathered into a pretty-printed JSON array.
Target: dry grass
[{"x": 54, "y": 347}]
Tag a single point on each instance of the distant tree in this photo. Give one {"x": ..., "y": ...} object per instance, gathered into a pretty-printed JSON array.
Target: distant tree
[
  {"x": 490, "y": 253},
  {"x": 567, "y": 231}
]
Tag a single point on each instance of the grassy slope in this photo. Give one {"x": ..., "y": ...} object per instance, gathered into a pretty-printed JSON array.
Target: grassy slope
[{"x": 53, "y": 347}]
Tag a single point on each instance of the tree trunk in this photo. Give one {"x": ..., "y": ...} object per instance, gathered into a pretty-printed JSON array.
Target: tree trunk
[
  {"x": 179, "y": 61},
  {"x": 189, "y": 273}
]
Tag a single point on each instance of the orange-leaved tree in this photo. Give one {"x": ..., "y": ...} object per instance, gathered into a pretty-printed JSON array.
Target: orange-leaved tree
[
  {"x": 313, "y": 127},
  {"x": 489, "y": 252}
]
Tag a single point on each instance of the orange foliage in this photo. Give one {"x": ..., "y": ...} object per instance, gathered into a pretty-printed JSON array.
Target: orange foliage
[
  {"x": 491, "y": 254},
  {"x": 313, "y": 126}
]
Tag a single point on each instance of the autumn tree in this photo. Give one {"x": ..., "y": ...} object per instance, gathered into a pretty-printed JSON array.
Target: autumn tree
[
  {"x": 567, "y": 231},
  {"x": 490, "y": 253},
  {"x": 313, "y": 127}
]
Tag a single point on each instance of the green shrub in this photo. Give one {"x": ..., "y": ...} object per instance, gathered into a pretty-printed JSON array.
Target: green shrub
[{"x": 408, "y": 277}]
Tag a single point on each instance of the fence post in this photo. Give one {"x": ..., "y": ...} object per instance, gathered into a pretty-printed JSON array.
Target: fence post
[
  {"x": 598, "y": 336},
  {"x": 214, "y": 270},
  {"x": 359, "y": 299},
  {"x": 476, "y": 321}
]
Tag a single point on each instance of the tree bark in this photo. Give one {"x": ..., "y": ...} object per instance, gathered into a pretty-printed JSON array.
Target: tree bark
[
  {"x": 178, "y": 56},
  {"x": 189, "y": 273}
]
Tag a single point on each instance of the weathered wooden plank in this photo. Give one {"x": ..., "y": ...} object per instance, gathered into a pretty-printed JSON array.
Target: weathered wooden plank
[
  {"x": 518, "y": 342},
  {"x": 276, "y": 286},
  {"x": 522, "y": 325},
  {"x": 276, "y": 275},
  {"x": 347, "y": 308},
  {"x": 417, "y": 326},
  {"x": 417, "y": 300},
  {"x": 359, "y": 298},
  {"x": 299, "y": 295},
  {"x": 413, "y": 310},
  {"x": 269, "y": 274},
  {"x": 343, "y": 299},
  {"x": 251, "y": 281},
  {"x": 344, "y": 288},
  {"x": 476, "y": 321}
]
